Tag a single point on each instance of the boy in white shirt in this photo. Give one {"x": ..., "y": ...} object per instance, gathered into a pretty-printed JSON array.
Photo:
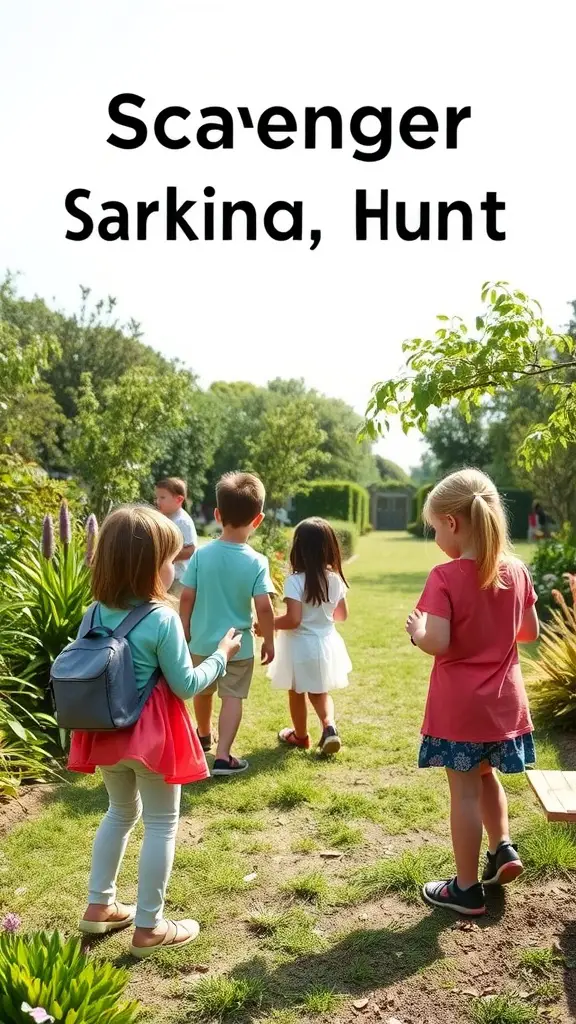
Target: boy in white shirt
[{"x": 171, "y": 496}]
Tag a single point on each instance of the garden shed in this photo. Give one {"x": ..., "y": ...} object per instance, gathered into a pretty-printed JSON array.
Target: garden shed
[{"x": 391, "y": 508}]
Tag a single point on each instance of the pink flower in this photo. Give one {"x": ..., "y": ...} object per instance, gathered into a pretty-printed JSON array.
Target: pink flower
[
  {"x": 11, "y": 923},
  {"x": 91, "y": 537},
  {"x": 37, "y": 1013},
  {"x": 48, "y": 538}
]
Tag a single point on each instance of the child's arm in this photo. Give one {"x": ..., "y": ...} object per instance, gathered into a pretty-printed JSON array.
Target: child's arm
[
  {"x": 530, "y": 628},
  {"x": 292, "y": 616},
  {"x": 429, "y": 632},
  {"x": 265, "y": 616},
  {"x": 341, "y": 611},
  {"x": 187, "y": 602},
  {"x": 176, "y": 664}
]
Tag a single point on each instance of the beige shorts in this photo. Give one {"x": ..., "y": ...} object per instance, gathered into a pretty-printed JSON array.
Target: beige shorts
[{"x": 236, "y": 682}]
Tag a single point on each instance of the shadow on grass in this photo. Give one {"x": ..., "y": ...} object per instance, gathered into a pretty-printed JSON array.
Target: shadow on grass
[{"x": 358, "y": 963}]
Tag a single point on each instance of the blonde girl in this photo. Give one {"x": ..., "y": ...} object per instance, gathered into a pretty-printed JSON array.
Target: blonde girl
[
  {"x": 144, "y": 766},
  {"x": 473, "y": 612}
]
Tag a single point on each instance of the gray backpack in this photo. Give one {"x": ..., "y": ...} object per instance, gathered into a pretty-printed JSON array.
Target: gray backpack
[{"x": 92, "y": 679}]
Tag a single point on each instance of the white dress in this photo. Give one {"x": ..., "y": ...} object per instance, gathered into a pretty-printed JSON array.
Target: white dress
[{"x": 312, "y": 658}]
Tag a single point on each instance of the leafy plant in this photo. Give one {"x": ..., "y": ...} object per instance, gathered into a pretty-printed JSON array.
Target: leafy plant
[
  {"x": 48, "y": 973},
  {"x": 553, "y": 561},
  {"x": 555, "y": 669},
  {"x": 503, "y": 1009},
  {"x": 218, "y": 998}
]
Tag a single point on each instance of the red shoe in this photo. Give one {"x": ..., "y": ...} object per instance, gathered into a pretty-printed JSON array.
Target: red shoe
[{"x": 289, "y": 736}]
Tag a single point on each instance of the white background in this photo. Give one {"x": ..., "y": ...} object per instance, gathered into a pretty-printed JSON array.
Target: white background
[{"x": 238, "y": 310}]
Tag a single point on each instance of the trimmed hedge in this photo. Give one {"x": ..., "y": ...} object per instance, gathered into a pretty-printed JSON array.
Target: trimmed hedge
[
  {"x": 518, "y": 506},
  {"x": 417, "y": 527},
  {"x": 340, "y": 500},
  {"x": 347, "y": 535}
]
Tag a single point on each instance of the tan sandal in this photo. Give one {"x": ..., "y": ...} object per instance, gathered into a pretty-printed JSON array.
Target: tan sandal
[
  {"x": 105, "y": 927},
  {"x": 168, "y": 941}
]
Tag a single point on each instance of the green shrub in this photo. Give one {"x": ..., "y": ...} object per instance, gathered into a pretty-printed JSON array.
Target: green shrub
[
  {"x": 555, "y": 693},
  {"x": 552, "y": 559},
  {"x": 47, "y": 972},
  {"x": 335, "y": 499},
  {"x": 347, "y": 535},
  {"x": 518, "y": 505},
  {"x": 417, "y": 527}
]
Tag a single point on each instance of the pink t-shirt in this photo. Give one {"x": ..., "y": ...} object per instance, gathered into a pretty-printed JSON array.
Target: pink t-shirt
[{"x": 476, "y": 692}]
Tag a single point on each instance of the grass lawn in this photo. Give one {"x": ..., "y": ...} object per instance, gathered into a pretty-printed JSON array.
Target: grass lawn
[{"x": 305, "y": 874}]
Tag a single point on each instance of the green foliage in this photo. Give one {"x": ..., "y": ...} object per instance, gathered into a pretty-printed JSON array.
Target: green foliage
[
  {"x": 518, "y": 505},
  {"x": 388, "y": 470},
  {"x": 552, "y": 562},
  {"x": 335, "y": 499},
  {"x": 510, "y": 344},
  {"x": 284, "y": 449},
  {"x": 220, "y": 998},
  {"x": 23, "y": 753},
  {"x": 417, "y": 527},
  {"x": 548, "y": 850},
  {"x": 504, "y": 1009},
  {"x": 347, "y": 535},
  {"x": 46, "y": 971},
  {"x": 555, "y": 693}
]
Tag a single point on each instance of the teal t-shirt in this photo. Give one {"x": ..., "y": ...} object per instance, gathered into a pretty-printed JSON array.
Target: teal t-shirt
[
  {"x": 159, "y": 641},
  {"x": 225, "y": 577}
]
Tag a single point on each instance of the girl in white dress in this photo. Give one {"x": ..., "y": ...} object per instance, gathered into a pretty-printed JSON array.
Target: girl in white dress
[{"x": 311, "y": 657}]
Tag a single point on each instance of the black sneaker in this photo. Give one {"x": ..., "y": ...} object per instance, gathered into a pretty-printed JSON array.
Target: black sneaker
[
  {"x": 205, "y": 742},
  {"x": 463, "y": 901},
  {"x": 503, "y": 866},
  {"x": 330, "y": 742},
  {"x": 233, "y": 766}
]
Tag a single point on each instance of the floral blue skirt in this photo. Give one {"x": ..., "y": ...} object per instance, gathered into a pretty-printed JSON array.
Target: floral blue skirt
[{"x": 509, "y": 756}]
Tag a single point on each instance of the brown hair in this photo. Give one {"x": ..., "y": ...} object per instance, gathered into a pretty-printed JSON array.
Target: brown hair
[
  {"x": 472, "y": 495},
  {"x": 174, "y": 485},
  {"x": 134, "y": 543},
  {"x": 315, "y": 550},
  {"x": 240, "y": 498}
]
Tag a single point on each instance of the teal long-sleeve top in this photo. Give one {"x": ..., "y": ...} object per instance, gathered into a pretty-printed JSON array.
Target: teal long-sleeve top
[{"x": 159, "y": 641}]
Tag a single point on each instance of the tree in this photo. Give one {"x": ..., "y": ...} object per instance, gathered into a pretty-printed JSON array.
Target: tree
[
  {"x": 389, "y": 470},
  {"x": 116, "y": 440},
  {"x": 456, "y": 441},
  {"x": 512, "y": 346},
  {"x": 285, "y": 448},
  {"x": 190, "y": 449},
  {"x": 21, "y": 363}
]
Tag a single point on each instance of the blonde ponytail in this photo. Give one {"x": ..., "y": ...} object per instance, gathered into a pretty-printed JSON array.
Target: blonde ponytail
[{"x": 472, "y": 494}]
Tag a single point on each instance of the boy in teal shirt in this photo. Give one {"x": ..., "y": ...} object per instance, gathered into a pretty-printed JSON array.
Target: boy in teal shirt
[{"x": 220, "y": 583}]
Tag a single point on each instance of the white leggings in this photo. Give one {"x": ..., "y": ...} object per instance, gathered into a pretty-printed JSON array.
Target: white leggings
[{"x": 134, "y": 790}]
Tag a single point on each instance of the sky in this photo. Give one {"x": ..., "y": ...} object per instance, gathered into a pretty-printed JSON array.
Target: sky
[{"x": 337, "y": 315}]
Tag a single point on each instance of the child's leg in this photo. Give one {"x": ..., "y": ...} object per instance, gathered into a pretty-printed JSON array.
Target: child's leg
[
  {"x": 161, "y": 807},
  {"x": 111, "y": 840},
  {"x": 298, "y": 713},
  {"x": 466, "y": 823},
  {"x": 203, "y": 713},
  {"x": 324, "y": 707},
  {"x": 494, "y": 810},
  {"x": 228, "y": 725}
]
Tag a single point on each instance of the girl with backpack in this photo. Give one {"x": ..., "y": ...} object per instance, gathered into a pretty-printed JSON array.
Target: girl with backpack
[
  {"x": 473, "y": 612},
  {"x": 144, "y": 766}
]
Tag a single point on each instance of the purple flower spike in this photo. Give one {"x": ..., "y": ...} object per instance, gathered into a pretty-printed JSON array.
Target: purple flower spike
[
  {"x": 11, "y": 923},
  {"x": 91, "y": 537},
  {"x": 65, "y": 524},
  {"x": 48, "y": 537},
  {"x": 37, "y": 1013}
]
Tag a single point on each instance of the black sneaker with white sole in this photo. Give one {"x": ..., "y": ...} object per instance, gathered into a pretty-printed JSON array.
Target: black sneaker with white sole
[
  {"x": 233, "y": 766},
  {"x": 469, "y": 902},
  {"x": 503, "y": 866},
  {"x": 330, "y": 742}
]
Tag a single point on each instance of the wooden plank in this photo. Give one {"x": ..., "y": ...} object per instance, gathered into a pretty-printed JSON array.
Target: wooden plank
[{"x": 556, "y": 792}]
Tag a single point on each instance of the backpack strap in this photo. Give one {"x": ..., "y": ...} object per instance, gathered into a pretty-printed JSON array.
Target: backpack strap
[
  {"x": 87, "y": 623},
  {"x": 133, "y": 618}
]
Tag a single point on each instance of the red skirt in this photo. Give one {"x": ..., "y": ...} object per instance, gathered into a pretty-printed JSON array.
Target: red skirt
[{"x": 163, "y": 739}]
